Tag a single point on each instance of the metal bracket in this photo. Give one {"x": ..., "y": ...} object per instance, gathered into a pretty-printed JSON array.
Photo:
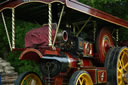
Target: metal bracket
[{"x": 84, "y": 26}]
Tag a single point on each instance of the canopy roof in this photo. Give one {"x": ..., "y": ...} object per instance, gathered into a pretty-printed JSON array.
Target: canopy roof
[{"x": 72, "y": 4}]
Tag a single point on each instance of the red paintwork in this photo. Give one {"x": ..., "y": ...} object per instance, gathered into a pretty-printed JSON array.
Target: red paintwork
[
  {"x": 92, "y": 73},
  {"x": 86, "y": 62},
  {"x": 102, "y": 50},
  {"x": 19, "y": 49},
  {"x": 58, "y": 81},
  {"x": 83, "y": 62},
  {"x": 96, "y": 74},
  {"x": 102, "y": 76},
  {"x": 34, "y": 54},
  {"x": 88, "y": 49},
  {"x": 51, "y": 52},
  {"x": 72, "y": 63},
  {"x": 31, "y": 54},
  {"x": 72, "y": 60}
]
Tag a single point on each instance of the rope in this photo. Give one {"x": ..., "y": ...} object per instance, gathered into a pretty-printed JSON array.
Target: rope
[
  {"x": 58, "y": 26},
  {"x": 50, "y": 24},
  {"x": 6, "y": 31},
  {"x": 13, "y": 28}
]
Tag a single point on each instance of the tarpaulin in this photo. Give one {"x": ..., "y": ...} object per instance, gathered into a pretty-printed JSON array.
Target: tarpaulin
[{"x": 38, "y": 37}]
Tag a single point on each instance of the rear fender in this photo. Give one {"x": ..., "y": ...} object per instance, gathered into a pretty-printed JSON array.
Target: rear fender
[{"x": 31, "y": 54}]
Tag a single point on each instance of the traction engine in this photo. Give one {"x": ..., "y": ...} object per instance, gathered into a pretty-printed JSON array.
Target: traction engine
[
  {"x": 71, "y": 58},
  {"x": 72, "y": 61},
  {"x": 75, "y": 44}
]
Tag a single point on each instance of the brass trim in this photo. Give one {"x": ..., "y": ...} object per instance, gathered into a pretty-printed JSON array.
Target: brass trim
[{"x": 22, "y": 3}]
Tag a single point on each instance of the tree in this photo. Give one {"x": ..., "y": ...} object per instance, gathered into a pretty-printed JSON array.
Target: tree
[{"x": 115, "y": 7}]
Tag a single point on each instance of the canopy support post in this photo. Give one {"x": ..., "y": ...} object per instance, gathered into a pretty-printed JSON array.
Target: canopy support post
[
  {"x": 13, "y": 28},
  {"x": 60, "y": 18},
  {"x": 6, "y": 29},
  {"x": 50, "y": 24}
]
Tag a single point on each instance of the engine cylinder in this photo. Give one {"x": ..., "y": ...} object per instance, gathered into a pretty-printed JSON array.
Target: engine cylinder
[{"x": 62, "y": 36}]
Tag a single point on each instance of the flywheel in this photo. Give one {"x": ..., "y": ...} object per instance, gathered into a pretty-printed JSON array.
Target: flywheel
[{"x": 103, "y": 43}]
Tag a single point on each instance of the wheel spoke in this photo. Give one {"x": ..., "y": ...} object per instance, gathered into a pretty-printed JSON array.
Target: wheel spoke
[
  {"x": 80, "y": 82},
  {"x": 119, "y": 70},
  {"x": 33, "y": 82},
  {"x": 81, "y": 78},
  {"x": 125, "y": 65},
  {"x": 30, "y": 82},
  {"x": 120, "y": 83},
  {"x": 126, "y": 53},
  {"x": 120, "y": 63},
  {"x": 119, "y": 77},
  {"x": 27, "y": 82},
  {"x": 122, "y": 57},
  {"x": 29, "y": 78}
]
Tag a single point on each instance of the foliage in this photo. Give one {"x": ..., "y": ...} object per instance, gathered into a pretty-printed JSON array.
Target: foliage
[
  {"x": 21, "y": 28},
  {"x": 114, "y": 7},
  {"x": 13, "y": 57},
  {"x": 123, "y": 33}
]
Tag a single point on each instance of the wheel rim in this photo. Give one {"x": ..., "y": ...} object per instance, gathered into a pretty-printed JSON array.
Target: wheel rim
[
  {"x": 84, "y": 79},
  {"x": 122, "y": 67},
  {"x": 106, "y": 44},
  {"x": 31, "y": 79}
]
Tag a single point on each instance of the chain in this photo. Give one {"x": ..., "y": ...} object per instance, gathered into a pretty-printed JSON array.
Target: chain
[
  {"x": 117, "y": 36},
  {"x": 94, "y": 32}
]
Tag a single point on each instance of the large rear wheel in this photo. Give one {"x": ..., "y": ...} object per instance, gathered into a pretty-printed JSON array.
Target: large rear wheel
[
  {"x": 117, "y": 66},
  {"x": 80, "y": 78},
  {"x": 28, "y": 78}
]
